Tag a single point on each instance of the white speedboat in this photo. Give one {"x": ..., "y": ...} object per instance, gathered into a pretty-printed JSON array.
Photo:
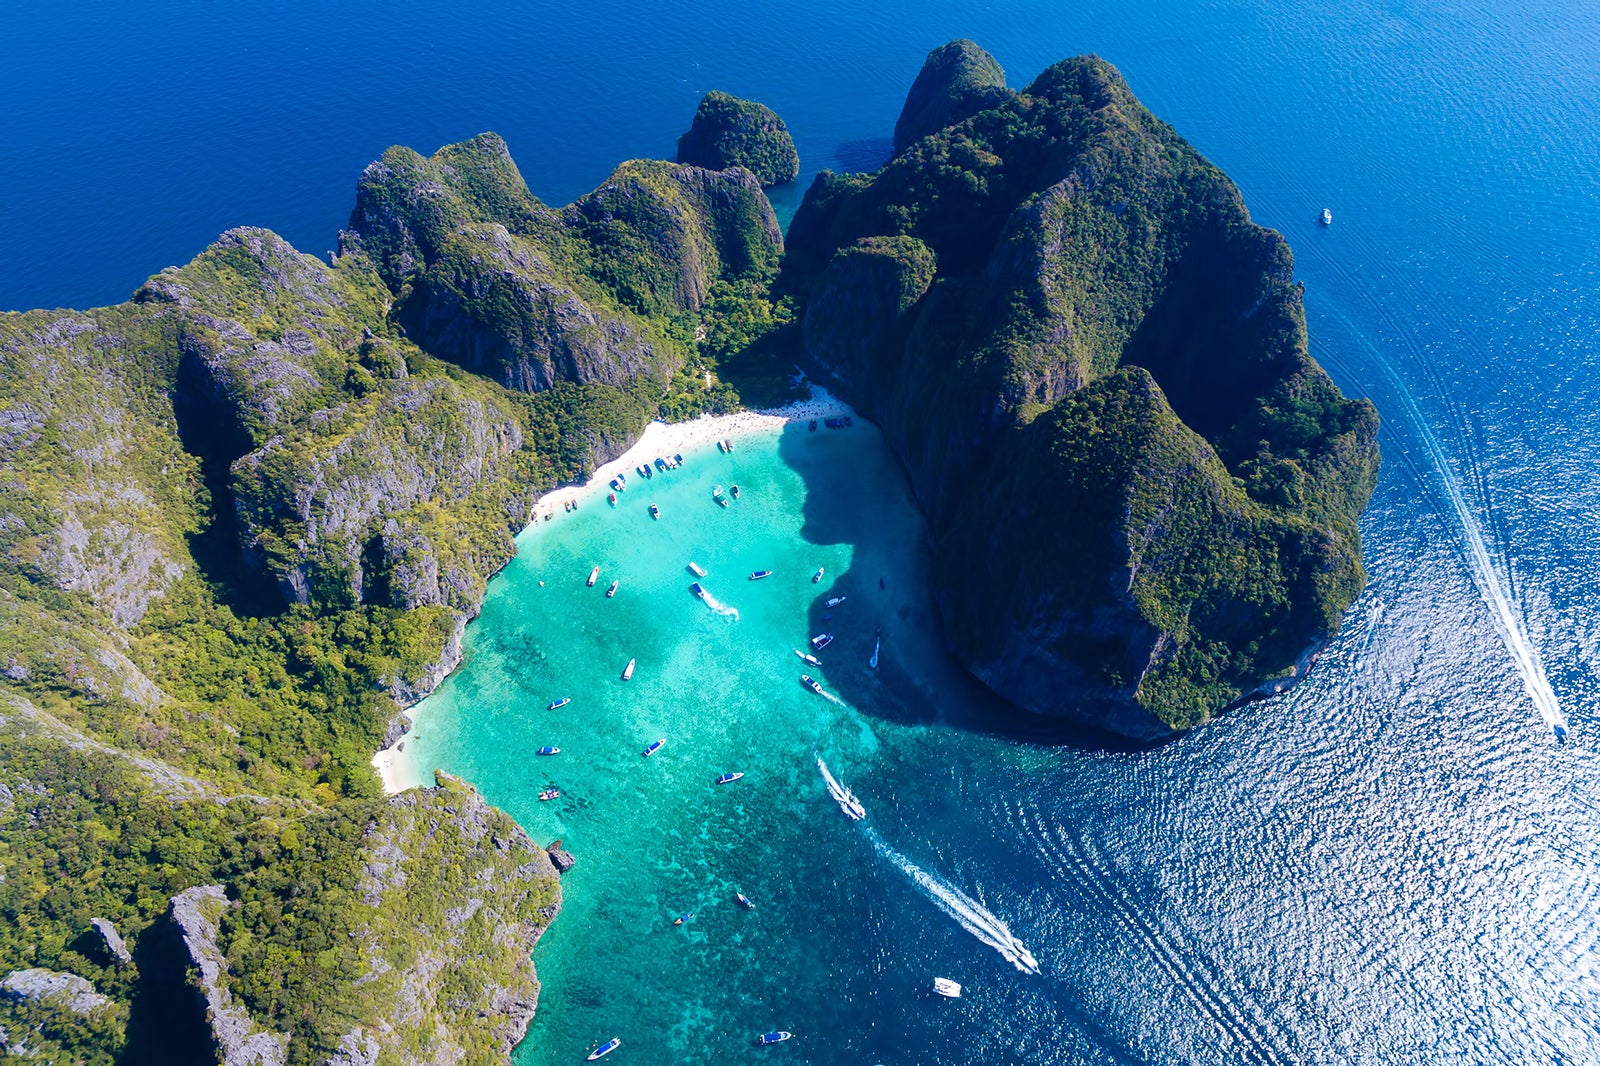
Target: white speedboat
[
  {"x": 811, "y": 659},
  {"x": 946, "y": 987},
  {"x": 612, "y": 591},
  {"x": 1327, "y": 217},
  {"x": 594, "y": 575},
  {"x": 627, "y": 671},
  {"x": 696, "y": 570}
]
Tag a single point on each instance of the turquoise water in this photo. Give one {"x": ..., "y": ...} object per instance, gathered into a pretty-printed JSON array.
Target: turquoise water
[{"x": 1392, "y": 864}]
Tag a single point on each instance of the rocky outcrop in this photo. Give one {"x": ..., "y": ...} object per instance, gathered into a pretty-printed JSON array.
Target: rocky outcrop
[
  {"x": 64, "y": 991},
  {"x": 730, "y": 132},
  {"x": 1095, "y": 368},
  {"x": 956, "y": 81},
  {"x": 115, "y": 947},
  {"x": 239, "y": 1040}
]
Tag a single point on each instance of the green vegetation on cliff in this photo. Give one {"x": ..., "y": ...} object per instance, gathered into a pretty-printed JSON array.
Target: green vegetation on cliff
[
  {"x": 1154, "y": 546},
  {"x": 730, "y": 132}
]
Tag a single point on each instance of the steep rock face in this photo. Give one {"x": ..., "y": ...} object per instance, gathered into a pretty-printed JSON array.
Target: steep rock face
[
  {"x": 1102, "y": 309},
  {"x": 239, "y": 1040},
  {"x": 491, "y": 279},
  {"x": 730, "y": 132},
  {"x": 956, "y": 80}
]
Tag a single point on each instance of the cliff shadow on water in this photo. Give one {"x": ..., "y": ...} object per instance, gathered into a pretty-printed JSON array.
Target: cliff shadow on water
[{"x": 857, "y": 494}]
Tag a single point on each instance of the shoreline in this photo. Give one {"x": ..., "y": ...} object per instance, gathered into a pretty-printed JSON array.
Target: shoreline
[{"x": 393, "y": 763}]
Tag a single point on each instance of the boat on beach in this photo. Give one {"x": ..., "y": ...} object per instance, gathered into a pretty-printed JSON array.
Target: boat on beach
[
  {"x": 947, "y": 988},
  {"x": 549, "y": 750},
  {"x": 654, "y": 747},
  {"x": 556, "y": 705},
  {"x": 759, "y": 574},
  {"x": 627, "y": 671},
  {"x": 775, "y": 1038},
  {"x": 605, "y": 1049},
  {"x": 816, "y": 577},
  {"x": 729, "y": 778},
  {"x": 811, "y": 659},
  {"x": 594, "y": 575},
  {"x": 821, "y": 640},
  {"x": 696, "y": 569},
  {"x": 612, "y": 591},
  {"x": 811, "y": 683}
]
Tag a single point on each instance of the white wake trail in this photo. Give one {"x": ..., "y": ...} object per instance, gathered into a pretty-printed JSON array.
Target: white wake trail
[
  {"x": 1484, "y": 575},
  {"x": 842, "y": 796},
  {"x": 968, "y": 912},
  {"x": 717, "y": 605}
]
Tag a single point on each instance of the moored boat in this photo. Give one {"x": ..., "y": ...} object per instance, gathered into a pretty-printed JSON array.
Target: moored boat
[
  {"x": 612, "y": 591},
  {"x": 678, "y": 458},
  {"x": 716, "y": 494},
  {"x": 1326, "y": 218},
  {"x": 836, "y": 601},
  {"x": 680, "y": 919},
  {"x": 744, "y": 901},
  {"x": 549, "y": 793},
  {"x": 605, "y": 1049},
  {"x": 733, "y": 490},
  {"x": 556, "y": 705},
  {"x": 775, "y": 1038},
  {"x": 612, "y": 497},
  {"x": 549, "y": 750},
  {"x": 722, "y": 445},
  {"x": 696, "y": 570},
  {"x": 812, "y": 659},
  {"x": 654, "y": 747},
  {"x": 759, "y": 574},
  {"x": 594, "y": 575},
  {"x": 655, "y": 512},
  {"x": 728, "y": 778},
  {"x": 811, "y": 683},
  {"x": 946, "y": 987},
  {"x": 816, "y": 577},
  {"x": 661, "y": 464},
  {"x": 821, "y": 640},
  {"x": 813, "y": 426},
  {"x": 627, "y": 671}
]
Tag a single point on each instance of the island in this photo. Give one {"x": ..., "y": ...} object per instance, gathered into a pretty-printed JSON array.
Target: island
[{"x": 246, "y": 515}]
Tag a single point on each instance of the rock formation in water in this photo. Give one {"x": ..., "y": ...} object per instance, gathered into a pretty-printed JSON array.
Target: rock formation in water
[
  {"x": 1094, "y": 366},
  {"x": 730, "y": 132}
]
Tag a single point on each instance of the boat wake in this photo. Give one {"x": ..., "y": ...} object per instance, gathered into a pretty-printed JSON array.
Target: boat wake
[
  {"x": 842, "y": 796},
  {"x": 718, "y": 606},
  {"x": 971, "y": 915}
]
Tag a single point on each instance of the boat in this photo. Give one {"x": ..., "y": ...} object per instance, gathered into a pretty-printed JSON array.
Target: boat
[
  {"x": 836, "y": 601},
  {"x": 641, "y": 471},
  {"x": 616, "y": 484},
  {"x": 556, "y": 705},
  {"x": 816, "y": 577},
  {"x": 729, "y": 444},
  {"x": 612, "y": 591},
  {"x": 678, "y": 458},
  {"x": 812, "y": 659},
  {"x": 821, "y": 640},
  {"x": 759, "y": 574},
  {"x": 655, "y": 512},
  {"x": 548, "y": 750},
  {"x": 627, "y": 671},
  {"x": 612, "y": 497},
  {"x": 661, "y": 464},
  {"x": 698, "y": 589},
  {"x": 605, "y": 1049},
  {"x": 716, "y": 494},
  {"x": 813, "y": 426},
  {"x": 775, "y": 1038},
  {"x": 549, "y": 793},
  {"x": 654, "y": 747},
  {"x": 720, "y": 447},
  {"x": 695, "y": 569},
  {"x": 1327, "y": 217},
  {"x": 594, "y": 575},
  {"x": 728, "y": 778},
  {"x": 744, "y": 901},
  {"x": 680, "y": 919},
  {"x": 733, "y": 490},
  {"x": 647, "y": 472},
  {"x": 811, "y": 683},
  {"x": 946, "y": 987}
]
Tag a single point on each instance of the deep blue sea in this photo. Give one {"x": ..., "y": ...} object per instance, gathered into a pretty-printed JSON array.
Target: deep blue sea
[{"x": 1395, "y": 863}]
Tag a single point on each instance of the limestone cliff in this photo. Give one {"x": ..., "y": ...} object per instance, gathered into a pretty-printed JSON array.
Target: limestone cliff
[
  {"x": 1095, "y": 367},
  {"x": 730, "y": 132}
]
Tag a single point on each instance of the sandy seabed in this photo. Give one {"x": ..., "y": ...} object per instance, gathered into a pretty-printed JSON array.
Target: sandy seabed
[{"x": 659, "y": 439}]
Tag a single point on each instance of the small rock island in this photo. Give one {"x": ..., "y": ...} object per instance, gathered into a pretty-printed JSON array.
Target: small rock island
[{"x": 730, "y": 132}]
